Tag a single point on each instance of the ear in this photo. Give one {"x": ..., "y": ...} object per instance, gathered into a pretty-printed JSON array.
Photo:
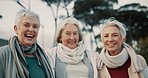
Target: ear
[
  {"x": 123, "y": 41},
  {"x": 15, "y": 29},
  {"x": 60, "y": 40}
]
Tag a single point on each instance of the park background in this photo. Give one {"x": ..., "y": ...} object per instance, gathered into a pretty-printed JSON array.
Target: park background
[{"x": 90, "y": 13}]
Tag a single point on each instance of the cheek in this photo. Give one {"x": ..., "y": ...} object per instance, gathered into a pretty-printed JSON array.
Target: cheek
[
  {"x": 119, "y": 40},
  {"x": 78, "y": 37},
  {"x": 36, "y": 31},
  {"x": 104, "y": 40},
  {"x": 64, "y": 40}
]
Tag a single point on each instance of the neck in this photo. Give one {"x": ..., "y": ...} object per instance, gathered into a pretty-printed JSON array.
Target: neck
[
  {"x": 29, "y": 55},
  {"x": 113, "y": 53}
]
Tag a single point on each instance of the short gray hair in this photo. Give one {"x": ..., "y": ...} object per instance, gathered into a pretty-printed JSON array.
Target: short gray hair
[
  {"x": 61, "y": 26},
  {"x": 24, "y": 12},
  {"x": 113, "y": 21}
]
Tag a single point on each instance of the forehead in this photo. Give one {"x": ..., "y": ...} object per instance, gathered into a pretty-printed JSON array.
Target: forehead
[
  {"x": 70, "y": 27},
  {"x": 31, "y": 19},
  {"x": 111, "y": 29}
]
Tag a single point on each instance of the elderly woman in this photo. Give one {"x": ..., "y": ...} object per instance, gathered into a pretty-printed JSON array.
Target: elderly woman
[
  {"x": 23, "y": 57},
  {"x": 117, "y": 59},
  {"x": 70, "y": 58}
]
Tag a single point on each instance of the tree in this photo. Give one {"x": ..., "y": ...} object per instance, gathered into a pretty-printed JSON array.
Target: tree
[
  {"x": 58, "y": 4},
  {"x": 91, "y": 12},
  {"x": 135, "y": 17},
  {"x": 136, "y": 27}
]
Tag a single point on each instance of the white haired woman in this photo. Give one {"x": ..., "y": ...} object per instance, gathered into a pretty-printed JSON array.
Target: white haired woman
[
  {"x": 70, "y": 58},
  {"x": 23, "y": 57},
  {"x": 117, "y": 59}
]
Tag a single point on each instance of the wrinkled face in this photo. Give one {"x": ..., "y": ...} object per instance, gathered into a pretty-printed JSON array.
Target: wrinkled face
[
  {"x": 112, "y": 40},
  {"x": 70, "y": 36},
  {"x": 27, "y": 30}
]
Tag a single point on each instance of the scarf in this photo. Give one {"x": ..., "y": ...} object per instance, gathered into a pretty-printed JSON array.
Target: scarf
[
  {"x": 120, "y": 59},
  {"x": 28, "y": 49},
  {"x": 19, "y": 58},
  {"x": 70, "y": 56}
]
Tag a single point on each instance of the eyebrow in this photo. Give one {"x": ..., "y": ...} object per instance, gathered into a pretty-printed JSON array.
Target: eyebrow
[
  {"x": 29, "y": 23},
  {"x": 113, "y": 33}
]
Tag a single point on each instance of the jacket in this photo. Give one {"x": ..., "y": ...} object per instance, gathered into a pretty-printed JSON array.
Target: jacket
[
  {"x": 103, "y": 73},
  {"x": 91, "y": 55},
  {"x": 8, "y": 66}
]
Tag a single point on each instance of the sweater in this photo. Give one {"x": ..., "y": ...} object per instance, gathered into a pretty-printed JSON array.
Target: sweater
[
  {"x": 120, "y": 72},
  {"x": 104, "y": 73}
]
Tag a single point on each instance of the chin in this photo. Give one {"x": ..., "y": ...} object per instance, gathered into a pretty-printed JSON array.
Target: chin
[
  {"x": 29, "y": 43},
  {"x": 111, "y": 50},
  {"x": 72, "y": 47}
]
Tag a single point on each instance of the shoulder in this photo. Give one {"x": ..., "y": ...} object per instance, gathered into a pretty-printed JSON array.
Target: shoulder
[
  {"x": 144, "y": 65},
  {"x": 142, "y": 60},
  {"x": 5, "y": 53},
  {"x": 92, "y": 53},
  {"x": 51, "y": 52},
  {"x": 4, "y": 47},
  {"x": 4, "y": 50}
]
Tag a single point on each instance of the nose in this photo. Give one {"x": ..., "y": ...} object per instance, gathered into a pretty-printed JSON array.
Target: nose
[
  {"x": 110, "y": 38},
  {"x": 31, "y": 28},
  {"x": 71, "y": 36}
]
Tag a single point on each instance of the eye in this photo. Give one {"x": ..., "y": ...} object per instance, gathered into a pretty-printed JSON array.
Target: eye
[
  {"x": 105, "y": 36},
  {"x": 67, "y": 33},
  {"x": 26, "y": 25},
  {"x": 76, "y": 33},
  {"x": 115, "y": 35},
  {"x": 35, "y": 26}
]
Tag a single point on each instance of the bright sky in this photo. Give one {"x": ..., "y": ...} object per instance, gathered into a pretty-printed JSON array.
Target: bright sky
[{"x": 8, "y": 9}]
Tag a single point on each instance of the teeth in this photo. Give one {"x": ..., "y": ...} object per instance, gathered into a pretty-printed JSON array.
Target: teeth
[
  {"x": 110, "y": 45},
  {"x": 29, "y": 35}
]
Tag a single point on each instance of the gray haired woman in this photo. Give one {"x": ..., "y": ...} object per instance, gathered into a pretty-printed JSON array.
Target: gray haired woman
[
  {"x": 71, "y": 59},
  {"x": 117, "y": 59},
  {"x": 23, "y": 57}
]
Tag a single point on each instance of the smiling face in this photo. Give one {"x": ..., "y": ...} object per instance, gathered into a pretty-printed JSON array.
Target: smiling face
[
  {"x": 27, "y": 30},
  {"x": 112, "y": 40},
  {"x": 70, "y": 36}
]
